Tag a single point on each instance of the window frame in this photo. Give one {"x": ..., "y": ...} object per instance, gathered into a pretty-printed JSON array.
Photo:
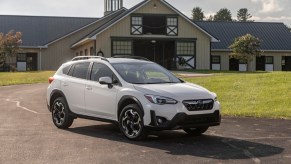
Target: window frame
[
  {"x": 113, "y": 50},
  {"x": 86, "y": 52},
  {"x": 215, "y": 56},
  {"x": 21, "y": 57},
  {"x": 186, "y": 54},
  {"x": 113, "y": 74},
  {"x": 172, "y": 28},
  {"x": 92, "y": 51},
  {"x": 73, "y": 70},
  {"x": 136, "y": 27},
  {"x": 270, "y": 57}
]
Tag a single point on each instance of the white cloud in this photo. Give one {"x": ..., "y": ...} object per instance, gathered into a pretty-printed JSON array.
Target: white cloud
[
  {"x": 278, "y": 18},
  {"x": 270, "y": 6},
  {"x": 210, "y": 13}
]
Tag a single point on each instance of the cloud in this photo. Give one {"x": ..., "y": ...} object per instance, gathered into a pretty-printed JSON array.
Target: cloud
[
  {"x": 278, "y": 18},
  {"x": 269, "y": 6}
]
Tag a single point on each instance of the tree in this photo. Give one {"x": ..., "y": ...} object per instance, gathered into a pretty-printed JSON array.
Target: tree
[
  {"x": 243, "y": 15},
  {"x": 9, "y": 45},
  {"x": 197, "y": 14},
  {"x": 245, "y": 48},
  {"x": 223, "y": 15}
]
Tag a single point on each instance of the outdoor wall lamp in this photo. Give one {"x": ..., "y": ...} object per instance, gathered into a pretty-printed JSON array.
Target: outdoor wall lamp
[
  {"x": 100, "y": 53},
  {"x": 155, "y": 5}
]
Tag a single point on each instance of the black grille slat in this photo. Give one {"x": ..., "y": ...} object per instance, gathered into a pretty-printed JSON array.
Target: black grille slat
[{"x": 199, "y": 105}]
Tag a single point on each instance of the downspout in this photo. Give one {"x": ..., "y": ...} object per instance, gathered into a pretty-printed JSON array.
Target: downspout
[
  {"x": 40, "y": 58},
  {"x": 95, "y": 51}
]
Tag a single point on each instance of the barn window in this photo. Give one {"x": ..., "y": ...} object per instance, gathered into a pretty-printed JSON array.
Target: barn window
[{"x": 122, "y": 47}]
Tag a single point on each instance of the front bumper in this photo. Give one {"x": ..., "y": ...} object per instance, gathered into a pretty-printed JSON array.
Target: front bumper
[{"x": 182, "y": 120}]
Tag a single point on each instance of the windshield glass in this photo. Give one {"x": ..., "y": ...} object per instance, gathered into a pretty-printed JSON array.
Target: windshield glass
[{"x": 144, "y": 73}]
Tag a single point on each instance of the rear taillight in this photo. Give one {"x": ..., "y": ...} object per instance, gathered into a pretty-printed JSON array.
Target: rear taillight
[{"x": 51, "y": 79}]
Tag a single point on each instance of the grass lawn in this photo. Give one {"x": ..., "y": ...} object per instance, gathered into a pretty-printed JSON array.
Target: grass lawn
[
  {"x": 259, "y": 94},
  {"x": 8, "y": 78}
]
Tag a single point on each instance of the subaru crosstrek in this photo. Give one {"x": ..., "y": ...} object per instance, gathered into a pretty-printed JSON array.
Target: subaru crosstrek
[{"x": 137, "y": 94}]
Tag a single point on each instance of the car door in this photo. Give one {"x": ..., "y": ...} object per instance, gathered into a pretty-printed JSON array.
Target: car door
[
  {"x": 100, "y": 99},
  {"x": 73, "y": 86}
]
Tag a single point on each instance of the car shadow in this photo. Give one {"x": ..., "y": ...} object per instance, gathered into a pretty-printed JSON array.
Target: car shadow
[{"x": 179, "y": 143}]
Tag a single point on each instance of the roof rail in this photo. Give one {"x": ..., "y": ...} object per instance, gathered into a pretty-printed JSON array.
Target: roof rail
[
  {"x": 131, "y": 57},
  {"x": 88, "y": 57}
]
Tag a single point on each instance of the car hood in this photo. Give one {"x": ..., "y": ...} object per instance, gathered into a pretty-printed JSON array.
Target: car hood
[{"x": 178, "y": 91}]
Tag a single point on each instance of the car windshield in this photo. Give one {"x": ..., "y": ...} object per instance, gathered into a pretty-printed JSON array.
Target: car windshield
[{"x": 145, "y": 73}]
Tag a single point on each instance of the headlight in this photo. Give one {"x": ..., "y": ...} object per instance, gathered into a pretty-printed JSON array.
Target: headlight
[
  {"x": 215, "y": 96},
  {"x": 160, "y": 100}
]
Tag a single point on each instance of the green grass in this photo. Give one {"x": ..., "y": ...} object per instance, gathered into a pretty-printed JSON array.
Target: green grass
[
  {"x": 8, "y": 78},
  {"x": 256, "y": 94}
]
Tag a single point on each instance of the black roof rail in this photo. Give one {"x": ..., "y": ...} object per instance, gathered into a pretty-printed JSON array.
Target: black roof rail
[
  {"x": 88, "y": 57},
  {"x": 131, "y": 57}
]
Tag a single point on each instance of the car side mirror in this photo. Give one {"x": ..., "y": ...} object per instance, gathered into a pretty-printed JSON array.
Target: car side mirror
[{"x": 105, "y": 80}]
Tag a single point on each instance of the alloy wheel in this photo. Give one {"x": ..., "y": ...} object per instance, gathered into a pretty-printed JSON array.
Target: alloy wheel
[
  {"x": 59, "y": 113},
  {"x": 131, "y": 123}
]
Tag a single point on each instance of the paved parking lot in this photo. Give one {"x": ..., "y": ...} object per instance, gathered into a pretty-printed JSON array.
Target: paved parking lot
[{"x": 27, "y": 135}]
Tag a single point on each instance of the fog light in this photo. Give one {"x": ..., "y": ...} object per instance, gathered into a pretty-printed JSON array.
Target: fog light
[{"x": 160, "y": 121}]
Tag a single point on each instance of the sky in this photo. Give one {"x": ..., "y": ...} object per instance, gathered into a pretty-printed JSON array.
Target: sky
[{"x": 261, "y": 10}]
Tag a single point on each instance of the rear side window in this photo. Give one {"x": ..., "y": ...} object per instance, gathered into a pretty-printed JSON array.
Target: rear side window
[
  {"x": 66, "y": 69},
  {"x": 80, "y": 70}
]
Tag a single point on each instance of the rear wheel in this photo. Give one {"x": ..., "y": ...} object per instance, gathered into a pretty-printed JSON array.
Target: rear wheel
[
  {"x": 60, "y": 114},
  {"x": 196, "y": 131},
  {"x": 131, "y": 123}
]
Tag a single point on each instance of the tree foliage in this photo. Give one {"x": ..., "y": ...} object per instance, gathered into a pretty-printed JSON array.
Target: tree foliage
[
  {"x": 9, "y": 44},
  {"x": 245, "y": 48},
  {"x": 243, "y": 15},
  {"x": 223, "y": 14},
  {"x": 197, "y": 14}
]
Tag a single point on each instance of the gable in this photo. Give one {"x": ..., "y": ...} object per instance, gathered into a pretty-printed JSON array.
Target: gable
[
  {"x": 146, "y": 7},
  {"x": 155, "y": 7}
]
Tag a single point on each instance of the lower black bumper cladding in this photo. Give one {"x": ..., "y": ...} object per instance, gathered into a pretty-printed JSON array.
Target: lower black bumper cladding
[{"x": 182, "y": 120}]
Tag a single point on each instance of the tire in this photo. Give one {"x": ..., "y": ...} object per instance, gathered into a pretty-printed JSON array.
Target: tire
[
  {"x": 196, "y": 131},
  {"x": 60, "y": 114},
  {"x": 131, "y": 123}
]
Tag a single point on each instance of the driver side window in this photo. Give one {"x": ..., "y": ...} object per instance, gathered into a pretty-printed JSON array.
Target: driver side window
[{"x": 100, "y": 70}]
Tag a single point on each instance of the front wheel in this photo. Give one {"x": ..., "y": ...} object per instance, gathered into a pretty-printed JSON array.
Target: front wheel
[
  {"x": 60, "y": 114},
  {"x": 131, "y": 123},
  {"x": 196, "y": 131}
]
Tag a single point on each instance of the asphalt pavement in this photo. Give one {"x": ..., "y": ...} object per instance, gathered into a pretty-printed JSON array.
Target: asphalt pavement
[{"x": 27, "y": 135}]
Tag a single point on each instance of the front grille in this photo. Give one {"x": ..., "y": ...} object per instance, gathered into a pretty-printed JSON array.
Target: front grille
[
  {"x": 199, "y": 105},
  {"x": 201, "y": 119}
]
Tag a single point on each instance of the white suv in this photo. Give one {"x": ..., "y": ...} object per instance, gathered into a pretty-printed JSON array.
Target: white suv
[{"x": 137, "y": 94}]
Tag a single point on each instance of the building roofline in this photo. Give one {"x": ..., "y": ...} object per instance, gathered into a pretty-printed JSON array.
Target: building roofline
[
  {"x": 229, "y": 50},
  {"x": 99, "y": 19},
  {"x": 33, "y": 47},
  {"x": 138, "y": 6},
  {"x": 92, "y": 35},
  {"x": 85, "y": 40},
  {"x": 213, "y": 39},
  {"x": 47, "y": 16}
]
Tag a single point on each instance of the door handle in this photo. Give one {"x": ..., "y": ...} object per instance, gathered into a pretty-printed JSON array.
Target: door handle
[{"x": 89, "y": 88}]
